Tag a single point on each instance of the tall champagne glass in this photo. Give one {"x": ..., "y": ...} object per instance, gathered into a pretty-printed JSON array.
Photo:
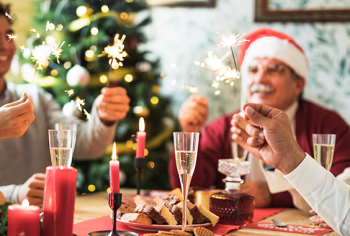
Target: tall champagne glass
[
  {"x": 324, "y": 149},
  {"x": 186, "y": 147},
  {"x": 61, "y": 147}
]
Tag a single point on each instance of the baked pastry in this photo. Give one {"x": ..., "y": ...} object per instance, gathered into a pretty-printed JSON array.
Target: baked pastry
[
  {"x": 207, "y": 214},
  {"x": 203, "y": 197},
  {"x": 189, "y": 216},
  {"x": 200, "y": 231},
  {"x": 139, "y": 200},
  {"x": 137, "y": 218},
  {"x": 178, "y": 193},
  {"x": 198, "y": 218},
  {"x": 167, "y": 215},
  {"x": 180, "y": 233},
  {"x": 125, "y": 207},
  {"x": 151, "y": 212}
]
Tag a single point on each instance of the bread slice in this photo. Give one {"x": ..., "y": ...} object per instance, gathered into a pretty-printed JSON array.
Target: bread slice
[
  {"x": 139, "y": 200},
  {"x": 158, "y": 200},
  {"x": 151, "y": 212},
  {"x": 177, "y": 192},
  {"x": 203, "y": 197},
  {"x": 207, "y": 214},
  {"x": 125, "y": 207},
  {"x": 166, "y": 214},
  {"x": 198, "y": 218},
  {"x": 137, "y": 218},
  {"x": 189, "y": 216}
]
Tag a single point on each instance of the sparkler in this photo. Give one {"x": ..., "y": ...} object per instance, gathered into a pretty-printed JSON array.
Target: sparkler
[
  {"x": 79, "y": 103},
  {"x": 88, "y": 116},
  {"x": 6, "y": 14},
  {"x": 37, "y": 33},
  {"x": 57, "y": 50},
  {"x": 70, "y": 92},
  {"x": 12, "y": 36},
  {"x": 115, "y": 52},
  {"x": 231, "y": 41}
]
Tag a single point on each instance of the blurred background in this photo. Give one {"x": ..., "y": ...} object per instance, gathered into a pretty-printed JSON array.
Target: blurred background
[{"x": 167, "y": 43}]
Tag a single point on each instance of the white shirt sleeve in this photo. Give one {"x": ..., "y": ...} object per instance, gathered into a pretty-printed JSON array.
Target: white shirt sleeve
[{"x": 328, "y": 196}]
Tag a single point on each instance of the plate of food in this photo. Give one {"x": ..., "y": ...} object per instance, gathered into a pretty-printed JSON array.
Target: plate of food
[
  {"x": 163, "y": 213},
  {"x": 156, "y": 227}
]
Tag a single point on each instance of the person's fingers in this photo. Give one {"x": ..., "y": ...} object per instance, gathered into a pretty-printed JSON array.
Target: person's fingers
[
  {"x": 256, "y": 117},
  {"x": 35, "y": 201},
  {"x": 255, "y": 142},
  {"x": 39, "y": 176},
  {"x": 199, "y": 99},
  {"x": 39, "y": 193},
  {"x": 115, "y": 99},
  {"x": 312, "y": 212},
  {"x": 110, "y": 107},
  {"x": 255, "y": 132},
  {"x": 195, "y": 105},
  {"x": 237, "y": 137},
  {"x": 113, "y": 91},
  {"x": 235, "y": 129},
  {"x": 324, "y": 225},
  {"x": 18, "y": 102},
  {"x": 259, "y": 108}
]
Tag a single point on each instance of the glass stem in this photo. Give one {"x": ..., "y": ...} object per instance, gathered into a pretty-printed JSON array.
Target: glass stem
[{"x": 185, "y": 184}]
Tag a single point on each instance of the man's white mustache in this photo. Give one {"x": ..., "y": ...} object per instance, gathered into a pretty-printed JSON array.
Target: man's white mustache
[{"x": 261, "y": 88}]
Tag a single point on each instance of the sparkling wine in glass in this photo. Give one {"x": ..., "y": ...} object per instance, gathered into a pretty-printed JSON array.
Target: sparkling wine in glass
[
  {"x": 61, "y": 146},
  {"x": 186, "y": 147},
  {"x": 324, "y": 149}
]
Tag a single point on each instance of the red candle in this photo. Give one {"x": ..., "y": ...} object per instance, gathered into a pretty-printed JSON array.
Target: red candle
[
  {"x": 23, "y": 219},
  {"x": 59, "y": 199},
  {"x": 114, "y": 171},
  {"x": 141, "y": 140}
]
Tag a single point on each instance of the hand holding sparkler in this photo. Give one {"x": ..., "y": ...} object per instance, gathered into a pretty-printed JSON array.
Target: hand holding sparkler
[
  {"x": 112, "y": 105},
  {"x": 16, "y": 117},
  {"x": 193, "y": 113}
]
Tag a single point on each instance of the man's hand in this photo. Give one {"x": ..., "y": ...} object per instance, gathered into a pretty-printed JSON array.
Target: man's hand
[
  {"x": 317, "y": 220},
  {"x": 33, "y": 190},
  {"x": 240, "y": 136},
  {"x": 193, "y": 113},
  {"x": 260, "y": 191},
  {"x": 112, "y": 104},
  {"x": 16, "y": 117},
  {"x": 278, "y": 148}
]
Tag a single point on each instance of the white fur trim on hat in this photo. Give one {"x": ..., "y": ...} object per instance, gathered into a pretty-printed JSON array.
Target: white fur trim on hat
[{"x": 273, "y": 47}]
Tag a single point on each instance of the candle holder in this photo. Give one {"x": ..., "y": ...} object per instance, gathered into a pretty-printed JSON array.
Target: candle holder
[
  {"x": 114, "y": 202},
  {"x": 140, "y": 163}
]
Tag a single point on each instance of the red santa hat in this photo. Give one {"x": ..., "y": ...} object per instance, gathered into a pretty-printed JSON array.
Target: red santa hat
[{"x": 269, "y": 43}]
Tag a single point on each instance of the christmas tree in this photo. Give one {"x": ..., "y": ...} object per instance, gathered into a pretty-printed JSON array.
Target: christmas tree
[{"x": 82, "y": 29}]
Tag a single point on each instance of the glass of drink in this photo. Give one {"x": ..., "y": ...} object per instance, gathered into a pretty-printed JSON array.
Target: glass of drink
[
  {"x": 186, "y": 147},
  {"x": 61, "y": 146},
  {"x": 74, "y": 127},
  {"x": 238, "y": 152},
  {"x": 324, "y": 149}
]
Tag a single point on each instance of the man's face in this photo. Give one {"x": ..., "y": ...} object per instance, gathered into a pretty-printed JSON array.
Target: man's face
[
  {"x": 271, "y": 82},
  {"x": 7, "y": 48}
]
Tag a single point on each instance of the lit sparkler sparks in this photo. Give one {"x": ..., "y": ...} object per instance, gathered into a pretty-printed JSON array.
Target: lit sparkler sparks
[
  {"x": 231, "y": 40},
  {"x": 70, "y": 92},
  {"x": 79, "y": 103},
  {"x": 22, "y": 48},
  {"x": 57, "y": 50},
  {"x": 115, "y": 52},
  {"x": 88, "y": 116},
  {"x": 213, "y": 62},
  {"x": 41, "y": 55},
  {"x": 37, "y": 33},
  {"x": 192, "y": 89},
  {"x": 12, "y": 37}
]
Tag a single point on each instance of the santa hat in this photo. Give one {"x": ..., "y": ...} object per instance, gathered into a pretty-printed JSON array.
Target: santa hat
[{"x": 268, "y": 43}]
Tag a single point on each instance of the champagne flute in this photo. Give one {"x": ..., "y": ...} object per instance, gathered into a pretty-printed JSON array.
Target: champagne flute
[
  {"x": 324, "y": 149},
  {"x": 74, "y": 127},
  {"x": 186, "y": 147},
  {"x": 61, "y": 146}
]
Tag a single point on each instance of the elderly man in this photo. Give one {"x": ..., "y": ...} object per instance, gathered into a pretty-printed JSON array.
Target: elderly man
[
  {"x": 22, "y": 157},
  {"x": 274, "y": 70}
]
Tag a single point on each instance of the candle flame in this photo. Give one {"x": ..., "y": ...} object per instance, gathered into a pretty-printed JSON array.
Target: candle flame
[
  {"x": 25, "y": 203},
  {"x": 142, "y": 124},
  {"x": 114, "y": 152}
]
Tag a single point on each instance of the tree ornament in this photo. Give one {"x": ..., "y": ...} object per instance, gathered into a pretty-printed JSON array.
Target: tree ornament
[
  {"x": 78, "y": 75},
  {"x": 70, "y": 109}
]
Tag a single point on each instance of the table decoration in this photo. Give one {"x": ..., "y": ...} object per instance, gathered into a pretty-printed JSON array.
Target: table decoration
[
  {"x": 114, "y": 198},
  {"x": 23, "y": 219},
  {"x": 59, "y": 199},
  {"x": 140, "y": 161}
]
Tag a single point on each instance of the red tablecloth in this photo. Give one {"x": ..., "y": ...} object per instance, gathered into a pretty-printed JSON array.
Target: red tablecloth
[{"x": 105, "y": 223}]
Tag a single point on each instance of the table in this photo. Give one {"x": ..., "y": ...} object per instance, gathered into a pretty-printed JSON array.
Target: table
[{"x": 95, "y": 205}]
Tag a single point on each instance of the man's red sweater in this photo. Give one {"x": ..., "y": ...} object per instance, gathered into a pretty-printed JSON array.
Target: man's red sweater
[{"x": 215, "y": 144}]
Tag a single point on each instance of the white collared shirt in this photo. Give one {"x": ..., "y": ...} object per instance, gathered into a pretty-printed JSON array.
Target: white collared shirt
[{"x": 327, "y": 195}]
